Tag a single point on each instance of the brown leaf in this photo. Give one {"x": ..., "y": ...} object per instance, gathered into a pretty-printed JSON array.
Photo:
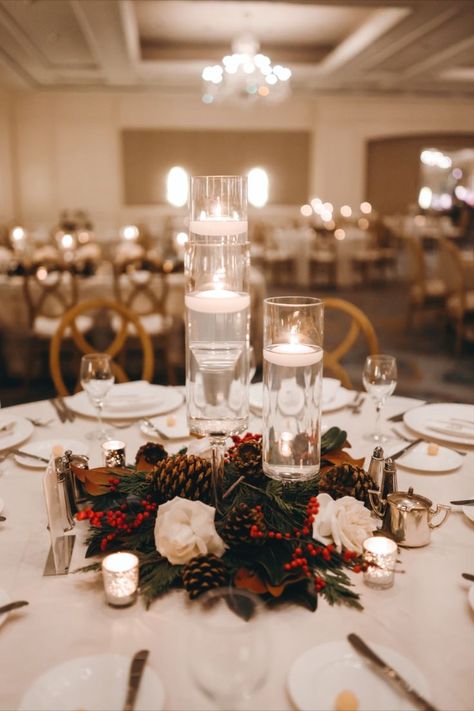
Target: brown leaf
[{"x": 251, "y": 581}]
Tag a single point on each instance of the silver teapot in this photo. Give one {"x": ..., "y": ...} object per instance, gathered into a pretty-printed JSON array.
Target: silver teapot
[{"x": 408, "y": 516}]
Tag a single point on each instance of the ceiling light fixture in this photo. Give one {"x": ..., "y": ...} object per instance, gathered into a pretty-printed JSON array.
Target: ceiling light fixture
[{"x": 245, "y": 76}]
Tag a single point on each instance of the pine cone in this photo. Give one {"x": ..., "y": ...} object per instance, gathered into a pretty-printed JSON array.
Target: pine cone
[
  {"x": 183, "y": 475},
  {"x": 246, "y": 456},
  {"x": 236, "y": 526},
  {"x": 149, "y": 455},
  {"x": 203, "y": 573},
  {"x": 347, "y": 480}
]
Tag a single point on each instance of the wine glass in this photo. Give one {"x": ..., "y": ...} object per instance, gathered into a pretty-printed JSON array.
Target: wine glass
[
  {"x": 97, "y": 378},
  {"x": 228, "y": 653},
  {"x": 380, "y": 378}
]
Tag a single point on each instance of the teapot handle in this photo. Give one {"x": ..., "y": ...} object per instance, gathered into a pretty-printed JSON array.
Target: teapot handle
[
  {"x": 437, "y": 510},
  {"x": 377, "y": 504}
]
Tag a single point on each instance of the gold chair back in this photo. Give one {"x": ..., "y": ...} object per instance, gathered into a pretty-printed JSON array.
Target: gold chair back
[
  {"x": 49, "y": 291},
  {"x": 358, "y": 324},
  {"x": 68, "y": 326}
]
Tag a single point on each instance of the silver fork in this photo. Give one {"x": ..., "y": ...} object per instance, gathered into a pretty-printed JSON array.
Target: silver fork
[{"x": 153, "y": 427}]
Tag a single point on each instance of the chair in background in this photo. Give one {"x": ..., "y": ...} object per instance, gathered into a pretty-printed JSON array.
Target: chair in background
[
  {"x": 426, "y": 292},
  {"x": 460, "y": 298},
  {"x": 358, "y": 324},
  {"x": 70, "y": 324},
  {"x": 141, "y": 285},
  {"x": 323, "y": 261}
]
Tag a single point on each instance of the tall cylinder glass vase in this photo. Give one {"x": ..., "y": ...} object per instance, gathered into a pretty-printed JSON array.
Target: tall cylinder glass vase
[
  {"x": 292, "y": 385},
  {"x": 217, "y": 303}
]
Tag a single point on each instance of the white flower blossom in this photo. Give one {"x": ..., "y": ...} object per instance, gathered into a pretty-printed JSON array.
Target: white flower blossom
[{"x": 345, "y": 521}]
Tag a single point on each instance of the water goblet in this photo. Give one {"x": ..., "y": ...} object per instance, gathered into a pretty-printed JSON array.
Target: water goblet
[
  {"x": 228, "y": 653},
  {"x": 96, "y": 379},
  {"x": 380, "y": 378}
]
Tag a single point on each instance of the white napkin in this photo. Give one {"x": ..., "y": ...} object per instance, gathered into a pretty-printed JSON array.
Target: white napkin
[
  {"x": 129, "y": 396},
  {"x": 450, "y": 427}
]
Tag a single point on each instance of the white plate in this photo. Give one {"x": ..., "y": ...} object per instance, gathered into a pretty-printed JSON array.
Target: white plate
[
  {"x": 159, "y": 399},
  {"x": 96, "y": 683},
  {"x": 21, "y": 430},
  {"x": 418, "y": 458},
  {"x": 467, "y": 511},
  {"x": 320, "y": 674},
  {"x": 341, "y": 398},
  {"x": 44, "y": 449},
  {"x": 420, "y": 419},
  {"x": 173, "y": 426},
  {"x": 4, "y": 599}
]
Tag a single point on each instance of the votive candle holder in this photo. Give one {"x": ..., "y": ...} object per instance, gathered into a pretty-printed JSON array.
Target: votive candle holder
[
  {"x": 380, "y": 555},
  {"x": 120, "y": 576},
  {"x": 113, "y": 451}
]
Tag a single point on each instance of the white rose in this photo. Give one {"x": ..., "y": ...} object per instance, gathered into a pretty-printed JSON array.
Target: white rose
[
  {"x": 185, "y": 529},
  {"x": 346, "y": 521}
]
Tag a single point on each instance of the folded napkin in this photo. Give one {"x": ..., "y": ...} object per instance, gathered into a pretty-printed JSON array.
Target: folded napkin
[
  {"x": 452, "y": 427},
  {"x": 129, "y": 396}
]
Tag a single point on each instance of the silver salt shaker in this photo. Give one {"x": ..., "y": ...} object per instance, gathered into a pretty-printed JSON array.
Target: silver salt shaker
[
  {"x": 376, "y": 466},
  {"x": 67, "y": 509}
]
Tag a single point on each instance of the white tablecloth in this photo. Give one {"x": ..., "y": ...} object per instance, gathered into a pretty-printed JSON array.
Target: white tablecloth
[{"x": 425, "y": 616}]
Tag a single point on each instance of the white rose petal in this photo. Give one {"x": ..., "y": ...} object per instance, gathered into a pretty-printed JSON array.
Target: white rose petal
[
  {"x": 185, "y": 529},
  {"x": 345, "y": 520}
]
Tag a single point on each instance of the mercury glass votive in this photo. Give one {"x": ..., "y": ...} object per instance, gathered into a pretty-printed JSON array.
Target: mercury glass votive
[
  {"x": 120, "y": 575},
  {"x": 113, "y": 451},
  {"x": 380, "y": 554}
]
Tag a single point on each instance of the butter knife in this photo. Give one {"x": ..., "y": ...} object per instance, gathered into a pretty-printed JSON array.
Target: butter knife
[
  {"x": 462, "y": 502},
  {"x": 12, "y": 606},
  {"x": 406, "y": 448},
  {"x": 361, "y": 647},
  {"x": 36, "y": 457},
  {"x": 134, "y": 678},
  {"x": 59, "y": 411}
]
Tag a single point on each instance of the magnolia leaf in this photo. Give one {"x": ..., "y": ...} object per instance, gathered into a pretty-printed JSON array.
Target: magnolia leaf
[{"x": 340, "y": 456}]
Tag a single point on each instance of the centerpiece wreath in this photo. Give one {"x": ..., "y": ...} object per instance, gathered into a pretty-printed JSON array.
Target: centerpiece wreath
[{"x": 261, "y": 538}]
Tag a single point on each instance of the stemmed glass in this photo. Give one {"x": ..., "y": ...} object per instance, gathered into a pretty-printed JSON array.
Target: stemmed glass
[
  {"x": 380, "y": 378},
  {"x": 228, "y": 654},
  {"x": 97, "y": 378}
]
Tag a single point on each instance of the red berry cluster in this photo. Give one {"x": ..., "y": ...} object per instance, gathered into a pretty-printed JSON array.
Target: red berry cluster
[
  {"x": 256, "y": 531},
  {"x": 122, "y": 519}
]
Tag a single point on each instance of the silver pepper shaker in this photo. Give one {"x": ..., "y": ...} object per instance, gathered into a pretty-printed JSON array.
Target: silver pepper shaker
[
  {"x": 388, "y": 486},
  {"x": 376, "y": 466},
  {"x": 78, "y": 493},
  {"x": 62, "y": 466}
]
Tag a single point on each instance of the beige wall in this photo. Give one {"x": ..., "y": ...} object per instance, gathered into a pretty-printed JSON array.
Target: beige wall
[{"x": 66, "y": 146}]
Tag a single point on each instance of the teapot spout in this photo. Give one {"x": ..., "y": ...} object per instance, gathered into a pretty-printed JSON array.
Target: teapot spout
[{"x": 377, "y": 504}]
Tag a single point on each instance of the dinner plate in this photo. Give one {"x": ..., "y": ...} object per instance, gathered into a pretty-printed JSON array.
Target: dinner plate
[
  {"x": 172, "y": 426},
  {"x": 149, "y": 400},
  {"x": 340, "y": 397},
  {"x": 468, "y": 511},
  {"x": 319, "y": 675},
  {"x": 44, "y": 449},
  {"x": 470, "y": 597},
  {"x": 20, "y": 431},
  {"x": 4, "y": 599},
  {"x": 444, "y": 460},
  {"x": 426, "y": 418},
  {"x": 95, "y": 683}
]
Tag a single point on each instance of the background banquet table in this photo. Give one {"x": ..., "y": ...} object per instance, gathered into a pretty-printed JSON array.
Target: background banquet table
[{"x": 425, "y": 616}]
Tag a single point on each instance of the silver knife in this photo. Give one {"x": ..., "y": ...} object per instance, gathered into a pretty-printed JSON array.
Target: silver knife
[
  {"x": 60, "y": 412},
  {"x": 36, "y": 457},
  {"x": 361, "y": 647},
  {"x": 462, "y": 502},
  {"x": 406, "y": 448},
  {"x": 67, "y": 410},
  {"x": 12, "y": 606},
  {"x": 134, "y": 678}
]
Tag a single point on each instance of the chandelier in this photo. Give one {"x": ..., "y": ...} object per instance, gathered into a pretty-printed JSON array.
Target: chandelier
[{"x": 245, "y": 76}]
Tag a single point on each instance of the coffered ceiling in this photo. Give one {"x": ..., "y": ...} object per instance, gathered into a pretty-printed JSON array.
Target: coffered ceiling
[{"x": 410, "y": 46}]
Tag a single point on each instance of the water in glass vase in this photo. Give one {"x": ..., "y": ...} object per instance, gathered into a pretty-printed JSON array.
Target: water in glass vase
[
  {"x": 217, "y": 353},
  {"x": 291, "y": 411}
]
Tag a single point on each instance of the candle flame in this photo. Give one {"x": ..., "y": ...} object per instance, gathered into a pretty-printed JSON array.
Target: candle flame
[{"x": 294, "y": 335}]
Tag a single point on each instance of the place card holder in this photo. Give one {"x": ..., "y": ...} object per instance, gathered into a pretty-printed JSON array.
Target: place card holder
[{"x": 59, "y": 518}]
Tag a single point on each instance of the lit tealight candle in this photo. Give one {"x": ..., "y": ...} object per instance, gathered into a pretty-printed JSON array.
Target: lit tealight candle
[
  {"x": 380, "y": 554},
  {"x": 217, "y": 301},
  {"x": 292, "y": 355},
  {"x": 120, "y": 575},
  {"x": 215, "y": 225},
  {"x": 114, "y": 453}
]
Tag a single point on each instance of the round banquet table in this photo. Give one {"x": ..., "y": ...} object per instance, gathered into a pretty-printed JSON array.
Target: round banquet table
[{"x": 425, "y": 616}]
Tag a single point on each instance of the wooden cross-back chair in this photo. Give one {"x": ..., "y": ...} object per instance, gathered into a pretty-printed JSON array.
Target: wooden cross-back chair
[
  {"x": 49, "y": 292},
  {"x": 68, "y": 324},
  {"x": 425, "y": 291},
  {"x": 460, "y": 298},
  {"x": 359, "y": 324}
]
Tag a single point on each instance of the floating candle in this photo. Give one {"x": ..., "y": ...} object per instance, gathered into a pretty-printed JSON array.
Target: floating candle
[
  {"x": 292, "y": 355},
  {"x": 217, "y": 301},
  {"x": 215, "y": 226},
  {"x": 120, "y": 575}
]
